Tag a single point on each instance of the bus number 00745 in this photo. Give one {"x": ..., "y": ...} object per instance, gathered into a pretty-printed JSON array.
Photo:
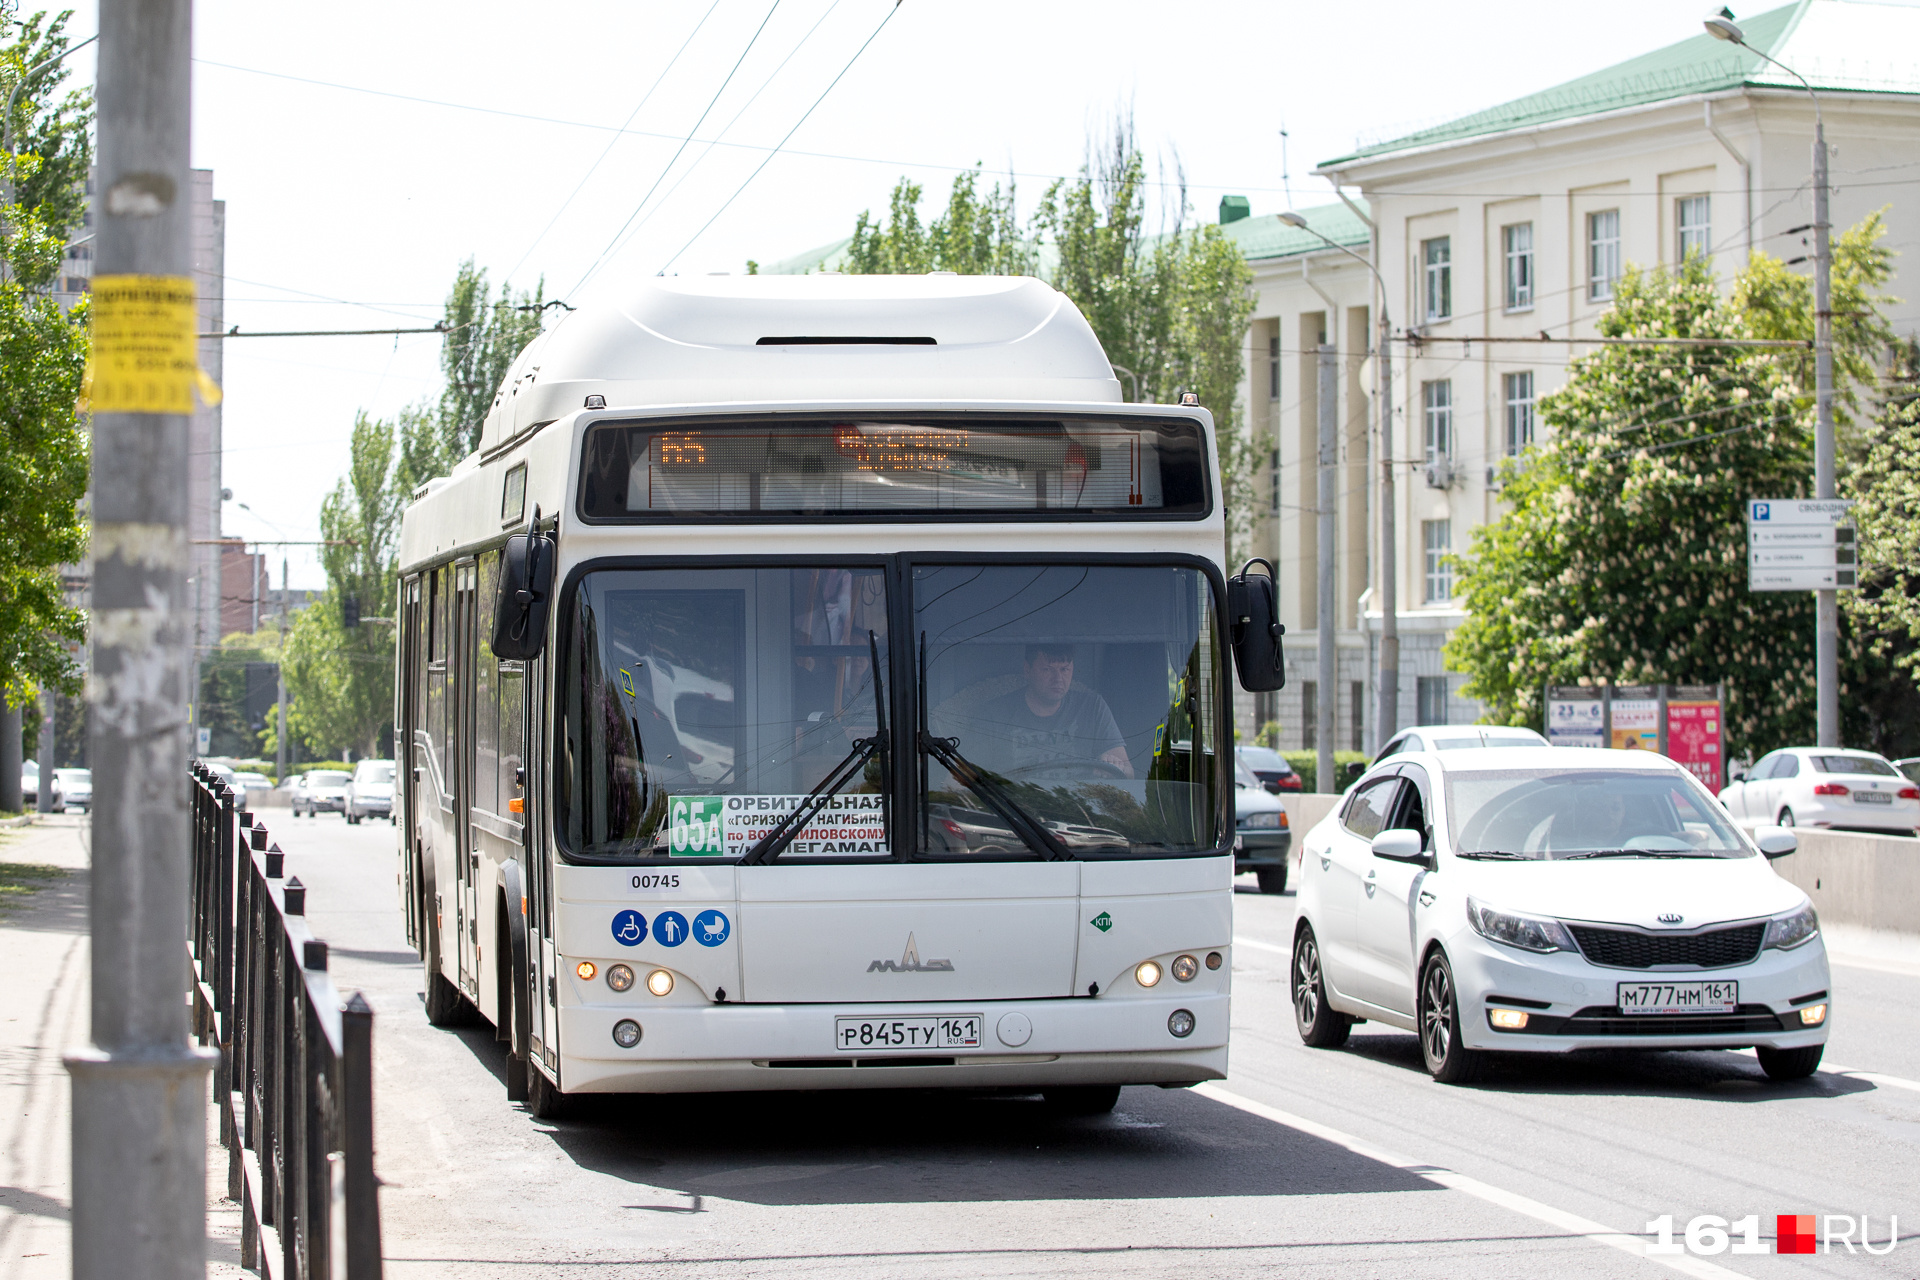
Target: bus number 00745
[{"x": 664, "y": 881}]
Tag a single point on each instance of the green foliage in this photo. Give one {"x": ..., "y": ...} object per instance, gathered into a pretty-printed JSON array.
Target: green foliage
[
  {"x": 975, "y": 236},
  {"x": 483, "y": 337},
  {"x": 1884, "y": 614},
  {"x": 1307, "y": 765},
  {"x": 1623, "y": 553},
  {"x": 55, "y": 136},
  {"x": 223, "y": 691}
]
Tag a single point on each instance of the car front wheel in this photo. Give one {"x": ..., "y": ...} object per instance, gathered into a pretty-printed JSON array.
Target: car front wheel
[
  {"x": 1273, "y": 880},
  {"x": 1790, "y": 1064},
  {"x": 1320, "y": 1025},
  {"x": 1448, "y": 1060},
  {"x": 1786, "y": 817}
]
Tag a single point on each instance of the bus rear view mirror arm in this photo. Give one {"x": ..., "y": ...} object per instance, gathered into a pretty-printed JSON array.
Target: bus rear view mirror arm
[
  {"x": 526, "y": 582},
  {"x": 1254, "y": 629}
]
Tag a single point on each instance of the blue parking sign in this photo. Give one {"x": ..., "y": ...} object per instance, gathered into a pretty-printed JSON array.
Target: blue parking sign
[
  {"x": 669, "y": 928},
  {"x": 629, "y": 928},
  {"x": 710, "y": 928}
]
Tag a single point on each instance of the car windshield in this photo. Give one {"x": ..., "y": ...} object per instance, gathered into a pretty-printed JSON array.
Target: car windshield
[
  {"x": 74, "y": 775},
  {"x": 382, "y": 772},
  {"x": 327, "y": 779},
  {"x": 1074, "y": 698},
  {"x": 1586, "y": 813},
  {"x": 1871, "y": 766},
  {"x": 1263, "y": 758}
]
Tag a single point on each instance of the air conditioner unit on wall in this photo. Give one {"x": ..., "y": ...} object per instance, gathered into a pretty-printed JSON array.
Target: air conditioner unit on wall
[{"x": 1440, "y": 470}]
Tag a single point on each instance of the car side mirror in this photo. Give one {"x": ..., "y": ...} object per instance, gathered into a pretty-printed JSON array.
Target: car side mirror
[
  {"x": 1254, "y": 630},
  {"x": 1399, "y": 845},
  {"x": 1736, "y": 775},
  {"x": 520, "y": 610},
  {"x": 1776, "y": 842}
]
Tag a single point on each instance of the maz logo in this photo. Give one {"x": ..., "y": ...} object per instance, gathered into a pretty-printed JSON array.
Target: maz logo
[{"x": 910, "y": 962}]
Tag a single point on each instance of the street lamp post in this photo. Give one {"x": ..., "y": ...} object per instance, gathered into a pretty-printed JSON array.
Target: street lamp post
[
  {"x": 1387, "y": 705},
  {"x": 1826, "y": 639}
]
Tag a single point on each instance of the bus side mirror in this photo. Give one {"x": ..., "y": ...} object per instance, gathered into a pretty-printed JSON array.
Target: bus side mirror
[
  {"x": 520, "y": 610},
  {"x": 1253, "y": 610}
]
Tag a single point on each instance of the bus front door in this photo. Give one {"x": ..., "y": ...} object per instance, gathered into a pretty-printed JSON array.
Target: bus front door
[{"x": 460, "y": 775}]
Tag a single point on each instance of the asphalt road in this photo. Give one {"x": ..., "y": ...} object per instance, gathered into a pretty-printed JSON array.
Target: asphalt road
[{"x": 1342, "y": 1163}]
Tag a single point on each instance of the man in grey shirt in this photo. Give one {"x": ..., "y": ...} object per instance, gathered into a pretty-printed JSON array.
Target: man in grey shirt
[{"x": 1049, "y": 721}]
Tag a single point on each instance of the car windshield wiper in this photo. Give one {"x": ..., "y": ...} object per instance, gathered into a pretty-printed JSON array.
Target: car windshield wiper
[
  {"x": 1631, "y": 853},
  {"x": 771, "y": 844},
  {"x": 1497, "y": 855},
  {"x": 981, "y": 783}
]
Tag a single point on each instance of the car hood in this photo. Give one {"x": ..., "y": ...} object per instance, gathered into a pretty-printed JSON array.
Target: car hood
[
  {"x": 1255, "y": 800},
  {"x": 1701, "y": 891}
]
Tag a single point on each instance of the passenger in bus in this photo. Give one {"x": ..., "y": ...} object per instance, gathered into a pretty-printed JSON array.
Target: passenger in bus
[{"x": 1048, "y": 721}]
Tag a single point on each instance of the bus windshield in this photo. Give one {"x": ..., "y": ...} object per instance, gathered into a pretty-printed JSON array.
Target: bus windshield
[{"x": 1069, "y": 712}]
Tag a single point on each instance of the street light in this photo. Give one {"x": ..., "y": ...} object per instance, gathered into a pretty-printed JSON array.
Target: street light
[
  {"x": 1826, "y": 642},
  {"x": 1387, "y": 708}
]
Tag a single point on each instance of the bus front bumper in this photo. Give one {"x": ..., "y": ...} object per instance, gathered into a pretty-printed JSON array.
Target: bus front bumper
[{"x": 706, "y": 1048}]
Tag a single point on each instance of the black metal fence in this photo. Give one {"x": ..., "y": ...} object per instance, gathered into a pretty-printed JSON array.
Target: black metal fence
[{"x": 294, "y": 1084}]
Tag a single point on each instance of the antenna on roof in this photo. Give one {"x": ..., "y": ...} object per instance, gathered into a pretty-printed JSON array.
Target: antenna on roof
[{"x": 1285, "y": 186}]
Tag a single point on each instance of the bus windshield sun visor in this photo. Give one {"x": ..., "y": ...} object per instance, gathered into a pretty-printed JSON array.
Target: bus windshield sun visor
[{"x": 954, "y": 467}]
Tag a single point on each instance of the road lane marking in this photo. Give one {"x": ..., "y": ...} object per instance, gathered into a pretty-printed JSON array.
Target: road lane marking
[
  {"x": 1259, "y": 946},
  {"x": 1571, "y": 1223}
]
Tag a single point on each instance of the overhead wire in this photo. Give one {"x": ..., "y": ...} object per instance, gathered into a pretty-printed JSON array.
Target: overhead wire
[
  {"x": 768, "y": 158},
  {"x": 678, "y": 151}
]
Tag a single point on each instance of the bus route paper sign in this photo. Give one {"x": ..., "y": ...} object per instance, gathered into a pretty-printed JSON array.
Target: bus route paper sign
[
  {"x": 1575, "y": 717},
  {"x": 145, "y": 357},
  {"x": 727, "y": 826},
  {"x": 1693, "y": 738}
]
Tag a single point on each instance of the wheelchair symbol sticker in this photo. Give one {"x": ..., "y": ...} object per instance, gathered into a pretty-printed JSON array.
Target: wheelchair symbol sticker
[
  {"x": 710, "y": 928},
  {"x": 669, "y": 928},
  {"x": 629, "y": 928}
]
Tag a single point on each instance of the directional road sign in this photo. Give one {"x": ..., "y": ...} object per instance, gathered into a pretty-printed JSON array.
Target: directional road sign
[{"x": 1798, "y": 545}]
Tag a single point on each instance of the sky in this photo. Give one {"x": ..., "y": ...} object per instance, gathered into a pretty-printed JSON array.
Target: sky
[{"x": 364, "y": 150}]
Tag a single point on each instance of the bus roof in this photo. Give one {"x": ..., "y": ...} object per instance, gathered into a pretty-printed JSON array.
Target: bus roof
[{"x": 715, "y": 339}]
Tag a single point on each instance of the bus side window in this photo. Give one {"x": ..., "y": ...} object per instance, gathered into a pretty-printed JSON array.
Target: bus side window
[{"x": 486, "y": 703}]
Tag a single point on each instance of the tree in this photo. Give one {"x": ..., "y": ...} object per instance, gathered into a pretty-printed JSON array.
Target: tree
[
  {"x": 1622, "y": 555},
  {"x": 223, "y": 692},
  {"x": 483, "y": 337},
  {"x": 43, "y": 445},
  {"x": 975, "y": 236},
  {"x": 1883, "y": 617}
]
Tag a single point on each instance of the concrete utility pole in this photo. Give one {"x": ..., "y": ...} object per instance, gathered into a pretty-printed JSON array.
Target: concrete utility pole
[
  {"x": 1826, "y": 624},
  {"x": 140, "y": 1089},
  {"x": 10, "y": 759},
  {"x": 49, "y": 704},
  {"x": 1326, "y": 704}
]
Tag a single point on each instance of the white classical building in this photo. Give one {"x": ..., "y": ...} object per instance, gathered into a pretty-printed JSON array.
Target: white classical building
[{"x": 1514, "y": 223}]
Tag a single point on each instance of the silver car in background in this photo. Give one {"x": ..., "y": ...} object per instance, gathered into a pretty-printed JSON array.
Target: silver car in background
[{"x": 370, "y": 794}]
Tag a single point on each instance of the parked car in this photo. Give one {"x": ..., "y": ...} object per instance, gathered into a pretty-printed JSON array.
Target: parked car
[
  {"x": 1825, "y": 787},
  {"x": 1910, "y": 767},
  {"x": 322, "y": 791},
  {"x": 1454, "y": 737},
  {"x": 370, "y": 794},
  {"x": 75, "y": 788},
  {"x": 220, "y": 771},
  {"x": 1552, "y": 901},
  {"x": 248, "y": 780},
  {"x": 1262, "y": 837},
  {"x": 1268, "y": 765},
  {"x": 30, "y": 784}
]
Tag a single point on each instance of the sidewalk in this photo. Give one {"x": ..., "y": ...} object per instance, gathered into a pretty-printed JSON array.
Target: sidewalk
[{"x": 44, "y": 1014}]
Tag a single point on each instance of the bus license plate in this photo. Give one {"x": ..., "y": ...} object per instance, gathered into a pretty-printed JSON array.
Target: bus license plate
[
  {"x": 1679, "y": 997},
  {"x": 943, "y": 1031}
]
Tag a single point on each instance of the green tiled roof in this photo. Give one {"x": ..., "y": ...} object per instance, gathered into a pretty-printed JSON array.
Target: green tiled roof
[
  {"x": 1268, "y": 237},
  {"x": 801, "y": 263},
  {"x": 1836, "y": 44}
]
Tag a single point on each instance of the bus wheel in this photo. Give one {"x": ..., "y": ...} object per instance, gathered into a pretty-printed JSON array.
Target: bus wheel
[
  {"x": 446, "y": 1007},
  {"x": 1082, "y": 1099},
  {"x": 544, "y": 1098}
]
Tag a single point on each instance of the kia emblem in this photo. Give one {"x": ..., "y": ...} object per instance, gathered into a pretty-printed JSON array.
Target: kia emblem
[{"x": 1668, "y": 917}]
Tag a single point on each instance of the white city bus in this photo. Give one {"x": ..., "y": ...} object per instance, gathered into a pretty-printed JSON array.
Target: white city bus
[{"x": 822, "y": 682}]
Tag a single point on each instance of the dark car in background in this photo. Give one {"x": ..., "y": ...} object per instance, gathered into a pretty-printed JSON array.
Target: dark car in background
[
  {"x": 1262, "y": 836},
  {"x": 1270, "y": 767}
]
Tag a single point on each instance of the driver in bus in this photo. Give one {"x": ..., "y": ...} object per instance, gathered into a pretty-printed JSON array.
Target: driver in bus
[{"x": 1048, "y": 721}]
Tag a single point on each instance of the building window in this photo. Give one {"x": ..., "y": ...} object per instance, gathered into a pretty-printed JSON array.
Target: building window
[
  {"x": 1603, "y": 254},
  {"x": 1437, "y": 401},
  {"x": 1695, "y": 222},
  {"x": 1431, "y": 691},
  {"x": 1438, "y": 537},
  {"x": 1273, "y": 479},
  {"x": 1437, "y": 256},
  {"x": 1273, "y": 368},
  {"x": 1519, "y": 398},
  {"x": 1357, "y": 715},
  {"x": 1309, "y": 716},
  {"x": 1519, "y": 248}
]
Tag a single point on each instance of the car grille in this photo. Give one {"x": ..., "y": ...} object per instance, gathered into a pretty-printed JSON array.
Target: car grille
[
  {"x": 1605, "y": 1020},
  {"x": 1630, "y": 949}
]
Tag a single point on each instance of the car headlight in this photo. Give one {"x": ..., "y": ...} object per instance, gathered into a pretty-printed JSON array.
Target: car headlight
[
  {"x": 1525, "y": 932},
  {"x": 1793, "y": 929},
  {"x": 1261, "y": 821}
]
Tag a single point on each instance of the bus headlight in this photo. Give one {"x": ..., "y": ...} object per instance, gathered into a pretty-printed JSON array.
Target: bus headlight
[
  {"x": 660, "y": 982},
  {"x": 620, "y": 978},
  {"x": 1180, "y": 1023},
  {"x": 626, "y": 1033},
  {"x": 1185, "y": 968},
  {"x": 1147, "y": 973}
]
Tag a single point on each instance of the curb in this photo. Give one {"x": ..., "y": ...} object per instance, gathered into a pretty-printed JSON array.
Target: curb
[{"x": 24, "y": 820}]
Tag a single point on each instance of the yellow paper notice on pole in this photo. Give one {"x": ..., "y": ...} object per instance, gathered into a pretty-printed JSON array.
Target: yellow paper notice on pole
[{"x": 144, "y": 358}]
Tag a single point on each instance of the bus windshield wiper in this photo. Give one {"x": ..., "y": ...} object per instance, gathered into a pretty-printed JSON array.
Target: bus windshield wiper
[
  {"x": 979, "y": 781},
  {"x": 770, "y": 845}
]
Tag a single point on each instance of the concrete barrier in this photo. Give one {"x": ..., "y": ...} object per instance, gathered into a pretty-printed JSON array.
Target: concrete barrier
[
  {"x": 1859, "y": 881},
  {"x": 1305, "y": 810}
]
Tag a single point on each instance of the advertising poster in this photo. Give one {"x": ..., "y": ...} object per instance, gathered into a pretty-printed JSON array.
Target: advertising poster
[
  {"x": 1635, "y": 719},
  {"x": 1693, "y": 739},
  {"x": 1575, "y": 718}
]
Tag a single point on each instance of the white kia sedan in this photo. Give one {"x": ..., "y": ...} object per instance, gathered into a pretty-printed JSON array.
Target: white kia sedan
[
  {"x": 1540, "y": 900},
  {"x": 1826, "y": 787}
]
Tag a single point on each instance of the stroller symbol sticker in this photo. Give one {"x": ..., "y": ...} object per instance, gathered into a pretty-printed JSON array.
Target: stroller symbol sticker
[
  {"x": 710, "y": 928},
  {"x": 629, "y": 928},
  {"x": 669, "y": 928}
]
